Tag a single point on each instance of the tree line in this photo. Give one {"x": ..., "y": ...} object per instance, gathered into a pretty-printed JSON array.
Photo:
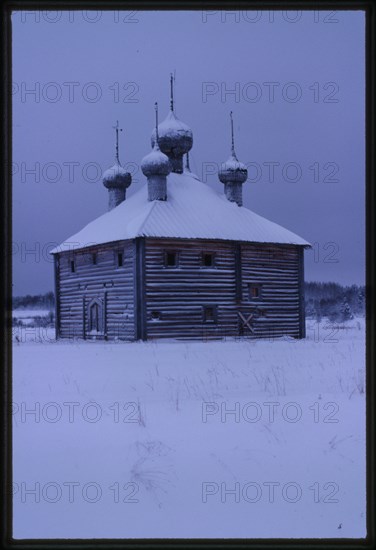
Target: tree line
[
  {"x": 334, "y": 301},
  {"x": 37, "y": 301}
]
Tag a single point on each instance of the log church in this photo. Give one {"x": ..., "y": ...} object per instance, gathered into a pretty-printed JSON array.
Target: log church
[{"x": 177, "y": 259}]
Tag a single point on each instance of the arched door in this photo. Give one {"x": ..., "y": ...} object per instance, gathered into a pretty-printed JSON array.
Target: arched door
[{"x": 95, "y": 317}]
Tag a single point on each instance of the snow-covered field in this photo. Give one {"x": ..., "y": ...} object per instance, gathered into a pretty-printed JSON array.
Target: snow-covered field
[
  {"x": 26, "y": 313},
  {"x": 170, "y": 439},
  {"x": 29, "y": 316}
]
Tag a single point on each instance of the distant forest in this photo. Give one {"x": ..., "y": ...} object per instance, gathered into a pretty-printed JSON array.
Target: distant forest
[
  {"x": 331, "y": 300},
  {"x": 334, "y": 301},
  {"x": 37, "y": 301}
]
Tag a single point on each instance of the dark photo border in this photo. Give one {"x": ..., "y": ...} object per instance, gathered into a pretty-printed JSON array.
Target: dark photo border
[{"x": 6, "y": 273}]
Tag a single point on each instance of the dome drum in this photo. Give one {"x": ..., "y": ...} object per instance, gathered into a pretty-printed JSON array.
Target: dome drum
[
  {"x": 234, "y": 192},
  {"x": 157, "y": 188},
  {"x": 116, "y": 196}
]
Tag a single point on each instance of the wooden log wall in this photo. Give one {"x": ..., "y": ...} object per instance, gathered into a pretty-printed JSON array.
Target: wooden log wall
[
  {"x": 112, "y": 286},
  {"x": 179, "y": 294},
  {"x": 276, "y": 269},
  {"x": 144, "y": 299}
]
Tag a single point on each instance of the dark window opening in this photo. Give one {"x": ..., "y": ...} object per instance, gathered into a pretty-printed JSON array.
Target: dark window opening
[
  {"x": 209, "y": 314},
  {"x": 254, "y": 291},
  {"x": 171, "y": 259},
  {"x": 208, "y": 260},
  {"x": 120, "y": 259},
  {"x": 155, "y": 315},
  {"x": 72, "y": 266},
  {"x": 94, "y": 258}
]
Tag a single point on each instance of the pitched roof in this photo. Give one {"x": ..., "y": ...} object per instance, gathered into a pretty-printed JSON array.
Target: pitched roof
[{"x": 193, "y": 210}]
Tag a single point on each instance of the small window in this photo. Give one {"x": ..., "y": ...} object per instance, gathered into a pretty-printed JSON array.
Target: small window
[
  {"x": 155, "y": 315},
  {"x": 72, "y": 266},
  {"x": 254, "y": 291},
  {"x": 210, "y": 314},
  {"x": 208, "y": 259},
  {"x": 171, "y": 259},
  {"x": 120, "y": 259},
  {"x": 94, "y": 258}
]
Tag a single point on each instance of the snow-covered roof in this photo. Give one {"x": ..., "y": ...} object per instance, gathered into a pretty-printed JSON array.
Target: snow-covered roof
[{"x": 193, "y": 210}]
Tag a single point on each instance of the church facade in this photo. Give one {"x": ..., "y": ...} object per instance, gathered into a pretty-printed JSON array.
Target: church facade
[{"x": 178, "y": 259}]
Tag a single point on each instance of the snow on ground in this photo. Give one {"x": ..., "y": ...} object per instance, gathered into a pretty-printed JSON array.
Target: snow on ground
[
  {"x": 22, "y": 313},
  {"x": 29, "y": 314},
  {"x": 196, "y": 439}
]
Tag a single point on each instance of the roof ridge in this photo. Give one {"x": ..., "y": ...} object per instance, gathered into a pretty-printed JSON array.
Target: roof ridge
[{"x": 147, "y": 216}]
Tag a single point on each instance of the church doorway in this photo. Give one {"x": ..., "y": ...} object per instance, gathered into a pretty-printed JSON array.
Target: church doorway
[{"x": 95, "y": 317}]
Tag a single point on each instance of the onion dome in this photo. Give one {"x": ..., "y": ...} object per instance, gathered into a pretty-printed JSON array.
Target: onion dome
[
  {"x": 233, "y": 174},
  {"x": 232, "y": 171},
  {"x": 175, "y": 137},
  {"x": 156, "y": 163},
  {"x": 117, "y": 177}
]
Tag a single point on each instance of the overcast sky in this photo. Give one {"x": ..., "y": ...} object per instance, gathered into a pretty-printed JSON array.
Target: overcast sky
[{"x": 295, "y": 83}]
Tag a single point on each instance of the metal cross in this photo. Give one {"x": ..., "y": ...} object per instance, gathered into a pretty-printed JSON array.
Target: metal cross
[
  {"x": 171, "y": 91},
  {"x": 117, "y": 130},
  {"x": 232, "y": 133},
  {"x": 156, "y": 123}
]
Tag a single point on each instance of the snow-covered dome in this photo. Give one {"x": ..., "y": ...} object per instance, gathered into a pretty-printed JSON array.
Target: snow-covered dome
[
  {"x": 174, "y": 136},
  {"x": 117, "y": 177},
  {"x": 233, "y": 171},
  {"x": 156, "y": 163}
]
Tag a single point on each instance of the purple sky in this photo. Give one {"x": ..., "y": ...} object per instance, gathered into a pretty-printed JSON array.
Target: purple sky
[{"x": 90, "y": 68}]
